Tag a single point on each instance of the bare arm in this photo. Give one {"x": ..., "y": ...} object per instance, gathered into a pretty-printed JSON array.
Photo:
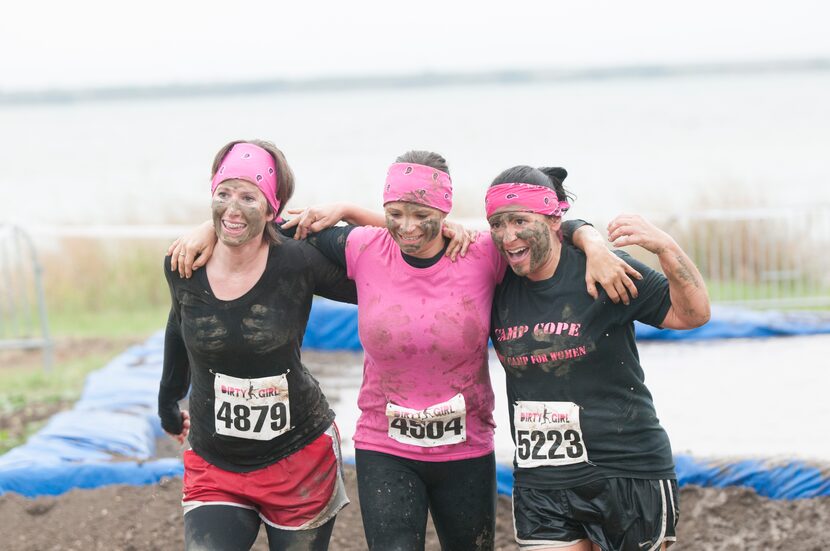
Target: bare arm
[
  {"x": 316, "y": 218},
  {"x": 605, "y": 268},
  {"x": 191, "y": 252},
  {"x": 689, "y": 298}
]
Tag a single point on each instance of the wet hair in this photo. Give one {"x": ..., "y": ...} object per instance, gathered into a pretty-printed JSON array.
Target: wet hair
[
  {"x": 285, "y": 180},
  {"x": 426, "y": 158},
  {"x": 547, "y": 176}
]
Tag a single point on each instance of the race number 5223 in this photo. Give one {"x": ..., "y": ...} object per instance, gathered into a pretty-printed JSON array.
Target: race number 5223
[{"x": 548, "y": 434}]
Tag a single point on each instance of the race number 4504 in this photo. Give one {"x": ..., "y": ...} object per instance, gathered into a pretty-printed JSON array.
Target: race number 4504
[
  {"x": 255, "y": 409},
  {"x": 548, "y": 434},
  {"x": 437, "y": 425}
]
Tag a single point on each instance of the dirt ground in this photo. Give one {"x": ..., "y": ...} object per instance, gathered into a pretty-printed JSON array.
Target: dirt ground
[
  {"x": 148, "y": 518},
  {"x": 143, "y": 518}
]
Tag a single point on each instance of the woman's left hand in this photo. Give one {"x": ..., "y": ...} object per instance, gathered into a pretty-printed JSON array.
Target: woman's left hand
[
  {"x": 460, "y": 238},
  {"x": 633, "y": 229},
  {"x": 613, "y": 273}
]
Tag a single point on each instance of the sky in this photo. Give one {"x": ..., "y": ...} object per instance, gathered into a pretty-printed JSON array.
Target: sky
[{"x": 102, "y": 43}]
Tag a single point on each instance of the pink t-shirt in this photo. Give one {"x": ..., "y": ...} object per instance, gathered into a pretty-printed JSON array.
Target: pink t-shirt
[{"x": 426, "y": 391}]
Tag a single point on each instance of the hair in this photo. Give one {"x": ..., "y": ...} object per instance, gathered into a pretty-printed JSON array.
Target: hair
[
  {"x": 547, "y": 176},
  {"x": 285, "y": 180},
  {"x": 426, "y": 158}
]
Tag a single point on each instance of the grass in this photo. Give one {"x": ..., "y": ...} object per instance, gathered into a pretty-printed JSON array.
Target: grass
[
  {"x": 29, "y": 395},
  {"x": 88, "y": 284},
  {"x": 100, "y": 299},
  {"x": 110, "y": 322},
  {"x": 799, "y": 293}
]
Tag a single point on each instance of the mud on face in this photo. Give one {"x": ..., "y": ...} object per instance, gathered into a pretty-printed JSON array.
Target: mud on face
[
  {"x": 416, "y": 228},
  {"x": 240, "y": 212}
]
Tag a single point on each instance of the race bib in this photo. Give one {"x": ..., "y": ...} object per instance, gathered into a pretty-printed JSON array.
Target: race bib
[
  {"x": 548, "y": 434},
  {"x": 438, "y": 425},
  {"x": 256, "y": 409}
]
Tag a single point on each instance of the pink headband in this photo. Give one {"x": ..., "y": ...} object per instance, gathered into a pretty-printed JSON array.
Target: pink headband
[
  {"x": 418, "y": 184},
  {"x": 249, "y": 162},
  {"x": 529, "y": 197}
]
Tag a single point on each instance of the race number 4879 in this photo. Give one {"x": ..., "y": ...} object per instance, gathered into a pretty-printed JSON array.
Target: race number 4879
[
  {"x": 244, "y": 418},
  {"x": 255, "y": 409}
]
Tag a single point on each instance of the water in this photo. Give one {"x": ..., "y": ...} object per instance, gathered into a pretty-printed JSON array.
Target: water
[
  {"x": 759, "y": 398},
  {"x": 630, "y": 145}
]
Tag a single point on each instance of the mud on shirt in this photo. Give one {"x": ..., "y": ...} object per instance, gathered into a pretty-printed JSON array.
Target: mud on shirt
[
  {"x": 579, "y": 407},
  {"x": 252, "y": 402}
]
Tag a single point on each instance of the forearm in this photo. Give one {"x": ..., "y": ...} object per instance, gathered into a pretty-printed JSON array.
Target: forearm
[
  {"x": 689, "y": 298},
  {"x": 175, "y": 378},
  {"x": 587, "y": 238},
  {"x": 359, "y": 216}
]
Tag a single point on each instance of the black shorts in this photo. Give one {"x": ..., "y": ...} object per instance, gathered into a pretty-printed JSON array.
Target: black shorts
[{"x": 615, "y": 513}]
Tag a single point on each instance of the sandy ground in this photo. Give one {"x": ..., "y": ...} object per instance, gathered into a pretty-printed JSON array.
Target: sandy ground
[{"x": 149, "y": 517}]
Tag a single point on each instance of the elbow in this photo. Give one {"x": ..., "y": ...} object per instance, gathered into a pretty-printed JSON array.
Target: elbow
[
  {"x": 687, "y": 318},
  {"x": 703, "y": 318},
  {"x": 699, "y": 317}
]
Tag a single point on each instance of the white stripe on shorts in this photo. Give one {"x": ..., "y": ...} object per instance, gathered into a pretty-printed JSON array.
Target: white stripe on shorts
[{"x": 664, "y": 514}]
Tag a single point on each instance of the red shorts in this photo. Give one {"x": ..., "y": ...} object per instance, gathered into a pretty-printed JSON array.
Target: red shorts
[{"x": 300, "y": 492}]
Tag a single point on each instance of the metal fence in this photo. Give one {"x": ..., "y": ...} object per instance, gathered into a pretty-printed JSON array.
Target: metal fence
[
  {"x": 23, "y": 320},
  {"x": 778, "y": 258}
]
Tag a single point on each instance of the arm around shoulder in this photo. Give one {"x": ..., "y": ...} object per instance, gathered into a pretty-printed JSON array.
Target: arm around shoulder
[
  {"x": 316, "y": 218},
  {"x": 604, "y": 267},
  {"x": 690, "y": 300}
]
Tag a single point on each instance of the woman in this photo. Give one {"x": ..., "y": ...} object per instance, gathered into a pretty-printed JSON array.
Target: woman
[
  {"x": 593, "y": 466},
  {"x": 264, "y": 446},
  {"x": 424, "y": 439}
]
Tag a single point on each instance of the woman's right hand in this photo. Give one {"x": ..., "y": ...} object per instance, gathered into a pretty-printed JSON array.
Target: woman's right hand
[
  {"x": 460, "y": 238},
  {"x": 182, "y": 436},
  {"x": 192, "y": 251}
]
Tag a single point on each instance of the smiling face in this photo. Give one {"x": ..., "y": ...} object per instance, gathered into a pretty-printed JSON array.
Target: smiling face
[
  {"x": 240, "y": 212},
  {"x": 528, "y": 241},
  {"x": 415, "y": 228}
]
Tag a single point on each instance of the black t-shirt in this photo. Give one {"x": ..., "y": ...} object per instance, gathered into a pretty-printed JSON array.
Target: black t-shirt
[
  {"x": 237, "y": 351},
  {"x": 559, "y": 347}
]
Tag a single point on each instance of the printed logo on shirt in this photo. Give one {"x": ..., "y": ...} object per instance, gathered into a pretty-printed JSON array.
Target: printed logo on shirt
[
  {"x": 437, "y": 425},
  {"x": 540, "y": 329},
  {"x": 542, "y": 357},
  {"x": 548, "y": 434},
  {"x": 255, "y": 409}
]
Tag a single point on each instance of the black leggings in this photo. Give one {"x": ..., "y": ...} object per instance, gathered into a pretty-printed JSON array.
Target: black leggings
[
  {"x": 395, "y": 494},
  {"x": 228, "y": 528}
]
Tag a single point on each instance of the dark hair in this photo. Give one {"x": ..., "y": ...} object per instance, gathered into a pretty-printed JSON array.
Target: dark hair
[
  {"x": 548, "y": 176},
  {"x": 426, "y": 158},
  {"x": 285, "y": 180}
]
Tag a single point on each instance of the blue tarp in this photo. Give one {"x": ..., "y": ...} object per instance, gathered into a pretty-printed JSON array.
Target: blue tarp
[
  {"x": 731, "y": 323},
  {"x": 774, "y": 479},
  {"x": 333, "y": 326},
  {"x": 110, "y": 434},
  {"x": 107, "y": 438}
]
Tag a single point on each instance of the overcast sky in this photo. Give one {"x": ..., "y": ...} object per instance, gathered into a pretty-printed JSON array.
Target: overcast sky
[{"x": 105, "y": 42}]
